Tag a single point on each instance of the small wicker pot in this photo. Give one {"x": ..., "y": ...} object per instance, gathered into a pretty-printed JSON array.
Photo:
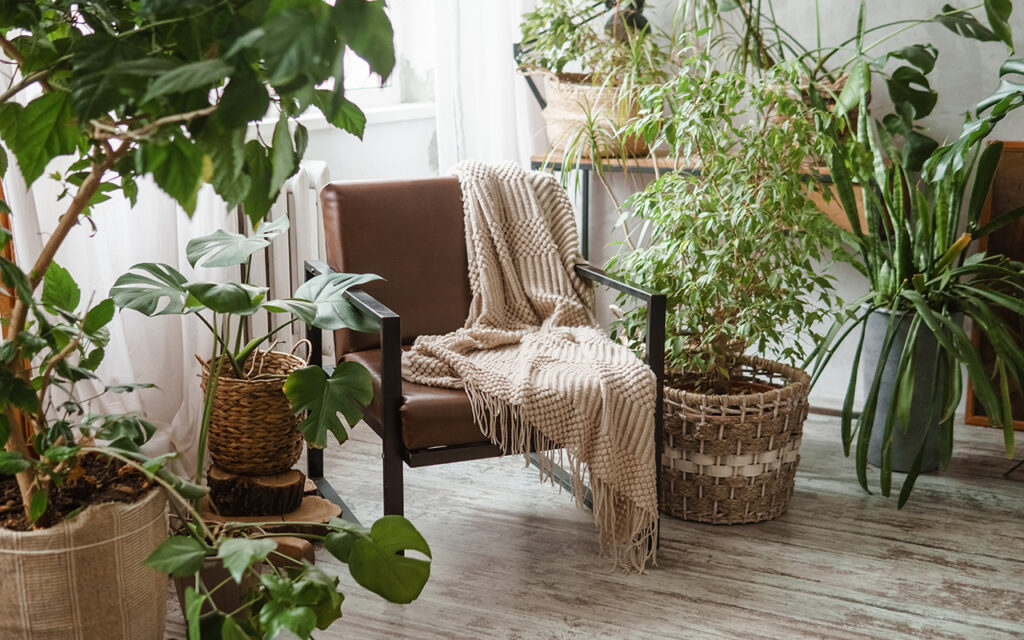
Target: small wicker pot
[
  {"x": 732, "y": 459},
  {"x": 252, "y": 426},
  {"x": 569, "y": 100}
]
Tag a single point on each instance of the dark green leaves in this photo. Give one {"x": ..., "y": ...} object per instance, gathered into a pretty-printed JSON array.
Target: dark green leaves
[
  {"x": 37, "y": 505},
  {"x": 321, "y": 302},
  {"x": 347, "y": 116},
  {"x": 225, "y": 297},
  {"x": 225, "y": 249},
  {"x": 39, "y": 132},
  {"x": 347, "y": 390},
  {"x": 152, "y": 289},
  {"x": 179, "y": 556},
  {"x": 177, "y": 167},
  {"x": 964, "y": 24},
  {"x": 98, "y": 317},
  {"x": 375, "y": 563},
  {"x": 299, "y": 45},
  {"x": 998, "y": 14},
  {"x": 858, "y": 84},
  {"x": 187, "y": 77},
  {"x": 284, "y": 162},
  {"x": 245, "y": 100},
  {"x": 257, "y": 164},
  {"x": 11, "y": 462},
  {"x": 60, "y": 291}
]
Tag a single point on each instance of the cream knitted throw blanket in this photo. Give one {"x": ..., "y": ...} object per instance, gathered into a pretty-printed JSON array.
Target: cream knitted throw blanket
[{"x": 538, "y": 371}]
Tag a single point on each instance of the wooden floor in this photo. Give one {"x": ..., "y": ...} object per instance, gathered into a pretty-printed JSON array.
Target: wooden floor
[{"x": 514, "y": 559}]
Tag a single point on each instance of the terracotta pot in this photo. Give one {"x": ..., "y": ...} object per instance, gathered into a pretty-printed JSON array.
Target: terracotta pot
[{"x": 86, "y": 578}]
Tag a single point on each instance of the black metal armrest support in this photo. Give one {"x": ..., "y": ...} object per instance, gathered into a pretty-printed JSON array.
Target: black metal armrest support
[
  {"x": 655, "y": 343},
  {"x": 391, "y": 371}
]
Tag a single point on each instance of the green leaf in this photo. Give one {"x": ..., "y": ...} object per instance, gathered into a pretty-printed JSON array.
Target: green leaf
[
  {"x": 179, "y": 556},
  {"x": 227, "y": 155},
  {"x": 60, "y": 291},
  {"x": 998, "y": 14},
  {"x": 177, "y": 168},
  {"x": 231, "y": 630},
  {"x": 226, "y": 297},
  {"x": 331, "y": 309},
  {"x": 238, "y": 554},
  {"x": 37, "y": 505},
  {"x": 986, "y": 172},
  {"x": 347, "y": 116},
  {"x": 195, "y": 75},
  {"x": 922, "y": 56},
  {"x": 964, "y": 24},
  {"x": 3, "y": 163},
  {"x": 857, "y": 84},
  {"x": 907, "y": 85},
  {"x": 375, "y": 562},
  {"x": 284, "y": 162},
  {"x": 11, "y": 462},
  {"x": 193, "y": 611},
  {"x": 42, "y": 130},
  {"x": 146, "y": 285},
  {"x": 245, "y": 100},
  {"x": 257, "y": 165},
  {"x": 277, "y": 616},
  {"x": 347, "y": 391},
  {"x": 98, "y": 317},
  {"x": 225, "y": 249},
  {"x": 298, "y": 46},
  {"x": 367, "y": 31}
]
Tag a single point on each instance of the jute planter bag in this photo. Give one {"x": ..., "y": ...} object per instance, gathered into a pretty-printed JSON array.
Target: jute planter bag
[
  {"x": 86, "y": 579},
  {"x": 731, "y": 459}
]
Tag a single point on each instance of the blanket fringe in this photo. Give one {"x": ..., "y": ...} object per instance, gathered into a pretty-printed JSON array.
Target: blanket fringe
[{"x": 627, "y": 532}]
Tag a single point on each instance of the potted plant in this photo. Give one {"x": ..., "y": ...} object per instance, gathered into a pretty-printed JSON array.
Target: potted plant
[
  {"x": 593, "y": 67},
  {"x": 734, "y": 245},
  {"x": 249, "y": 424},
  {"x": 925, "y": 280},
  {"x": 117, "y": 92}
]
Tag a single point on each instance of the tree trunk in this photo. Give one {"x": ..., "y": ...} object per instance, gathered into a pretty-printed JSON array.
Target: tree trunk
[{"x": 235, "y": 495}]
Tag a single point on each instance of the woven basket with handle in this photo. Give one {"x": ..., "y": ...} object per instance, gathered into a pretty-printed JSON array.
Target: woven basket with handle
[
  {"x": 252, "y": 426},
  {"x": 730, "y": 459}
]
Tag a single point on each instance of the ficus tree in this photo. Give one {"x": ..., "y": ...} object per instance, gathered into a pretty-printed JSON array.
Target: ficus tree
[{"x": 118, "y": 90}]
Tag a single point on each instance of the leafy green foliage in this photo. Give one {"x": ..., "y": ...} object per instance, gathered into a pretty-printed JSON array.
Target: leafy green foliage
[
  {"x": 346, "y": 391},
  {"x": 713, "y": 239},
  {"x": 40, "y": 131},
  {"x": 60, "y": 291},
  {"x": 178, "y": 556},
  {"x": 151, "y": 289},
  {"x": 239, "y": 554},
  {"x": 225, "y": 249}
]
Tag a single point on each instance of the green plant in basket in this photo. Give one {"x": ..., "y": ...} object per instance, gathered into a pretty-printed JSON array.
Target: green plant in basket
[{"x": 732, "y": 236}]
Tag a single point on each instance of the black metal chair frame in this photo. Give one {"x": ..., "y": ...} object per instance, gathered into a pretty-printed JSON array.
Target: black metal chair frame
[{"x": 389, "y": 428}]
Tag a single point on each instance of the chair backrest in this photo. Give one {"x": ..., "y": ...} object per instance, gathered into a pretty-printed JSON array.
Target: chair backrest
[{"x": 411, "y": 234}]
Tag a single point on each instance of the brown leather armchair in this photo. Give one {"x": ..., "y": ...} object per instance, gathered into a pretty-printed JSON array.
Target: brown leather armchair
[{"x": 412, "y": 234}]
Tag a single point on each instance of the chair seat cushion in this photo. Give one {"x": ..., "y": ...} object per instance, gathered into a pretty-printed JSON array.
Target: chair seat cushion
[{"x": 431, "y": 416}]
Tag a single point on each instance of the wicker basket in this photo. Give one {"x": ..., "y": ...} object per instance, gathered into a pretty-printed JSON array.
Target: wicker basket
[
  {"x": 569, "y": 99},
  {"x": 732, "y": 459},
  {"x": 252, "y": 427}
]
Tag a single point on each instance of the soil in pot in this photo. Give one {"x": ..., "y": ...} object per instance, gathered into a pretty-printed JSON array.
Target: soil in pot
[{"x": 96, "y": 480}]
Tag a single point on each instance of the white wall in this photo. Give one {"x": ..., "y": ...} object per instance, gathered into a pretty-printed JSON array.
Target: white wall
[{"x": 965, "y": 73}]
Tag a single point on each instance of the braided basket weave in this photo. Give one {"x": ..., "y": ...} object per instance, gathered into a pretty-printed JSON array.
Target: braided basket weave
[
  {"x": 569, "y": 99},
  {"x": 732, "y": 459},
  {"x": 252, "y": 426}
]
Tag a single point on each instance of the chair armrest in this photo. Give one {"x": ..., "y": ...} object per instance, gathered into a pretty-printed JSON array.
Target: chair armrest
[
  {"x": 390, "y": 343},
  {"x": 600, "y": 276}
]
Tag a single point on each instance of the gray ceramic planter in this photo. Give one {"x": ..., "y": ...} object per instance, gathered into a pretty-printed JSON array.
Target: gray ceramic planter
[{"x": 905, "y": 445}]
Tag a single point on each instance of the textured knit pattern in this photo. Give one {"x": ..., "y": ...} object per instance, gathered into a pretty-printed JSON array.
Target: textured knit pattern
[{"x": 540, "y": 374}]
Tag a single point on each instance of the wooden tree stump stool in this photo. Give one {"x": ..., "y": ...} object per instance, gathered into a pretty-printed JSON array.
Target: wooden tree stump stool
[{"x": 235, "y": 495}]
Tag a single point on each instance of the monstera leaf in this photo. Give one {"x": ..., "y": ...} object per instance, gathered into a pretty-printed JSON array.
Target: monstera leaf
[
  {"x": 146, "y": 285},
  {"x": 347, "y": 390},
  {"x": 225, "y": 297},
  {"x": 374, "y": 560},
  {"x": 321, "y": 302},
  {"x": 225, "y": 249}
]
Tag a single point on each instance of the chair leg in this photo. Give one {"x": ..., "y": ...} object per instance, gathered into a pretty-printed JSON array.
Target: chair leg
[{"x": 394, "y": 491}]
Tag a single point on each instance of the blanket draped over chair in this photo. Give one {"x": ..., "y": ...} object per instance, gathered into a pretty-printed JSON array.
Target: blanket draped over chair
[{"x": 538, "y": 371}]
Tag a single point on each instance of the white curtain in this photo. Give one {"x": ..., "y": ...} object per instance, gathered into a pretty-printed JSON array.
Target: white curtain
[{"x": 485, "y": 110}]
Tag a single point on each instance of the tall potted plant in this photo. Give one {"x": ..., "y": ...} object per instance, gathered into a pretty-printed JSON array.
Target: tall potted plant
[
  {"x": 925, "y": 280},
  {"x": 123, "y": 90},
  {"x": 734, "y": 245}
]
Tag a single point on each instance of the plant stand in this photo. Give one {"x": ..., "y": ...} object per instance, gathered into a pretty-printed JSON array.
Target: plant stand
[{"x": 237, "y": 495}]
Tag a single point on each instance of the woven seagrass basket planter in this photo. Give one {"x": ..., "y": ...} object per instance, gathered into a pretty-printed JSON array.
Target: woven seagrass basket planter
[
  {"x": 252, "y": 426},
  {"x": 731, "y": 459},
  {"x": 569, "y": 99}
]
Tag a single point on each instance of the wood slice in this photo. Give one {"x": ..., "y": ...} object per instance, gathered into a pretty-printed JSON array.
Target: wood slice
[
  {"x": 235, "y": 495},
  {"x": 313, "y": 511}
]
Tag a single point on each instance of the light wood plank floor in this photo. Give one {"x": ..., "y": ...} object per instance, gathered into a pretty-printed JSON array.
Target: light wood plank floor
[{"x": 513, "y": 559}]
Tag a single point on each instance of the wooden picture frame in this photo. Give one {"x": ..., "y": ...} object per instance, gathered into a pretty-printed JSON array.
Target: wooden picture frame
[{"x": 1007, "y": 194}]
